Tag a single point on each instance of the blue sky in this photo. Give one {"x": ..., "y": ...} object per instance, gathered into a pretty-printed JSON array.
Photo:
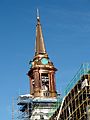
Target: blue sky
[{"x": 66, "y": 29}]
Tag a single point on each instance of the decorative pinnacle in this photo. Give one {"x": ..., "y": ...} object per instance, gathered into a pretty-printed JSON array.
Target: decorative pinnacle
[{"x": 37, "y": 13}]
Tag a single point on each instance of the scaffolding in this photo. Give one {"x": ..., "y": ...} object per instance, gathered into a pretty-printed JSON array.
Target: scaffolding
[
  {"x": 83, "y": 70},
  {"x": 24, "y": 103},
  {"x": 40, "y": 108},
  {"x": 76, "y": 103}
]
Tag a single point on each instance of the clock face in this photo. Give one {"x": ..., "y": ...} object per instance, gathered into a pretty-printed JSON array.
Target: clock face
[{"x": 44, "y": 61}]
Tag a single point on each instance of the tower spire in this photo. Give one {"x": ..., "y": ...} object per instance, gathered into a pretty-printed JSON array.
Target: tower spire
[{"x": 40, "y": 45}]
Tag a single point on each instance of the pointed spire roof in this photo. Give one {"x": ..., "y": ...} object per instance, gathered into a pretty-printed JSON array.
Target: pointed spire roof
[{"x": 40, "y": 45}]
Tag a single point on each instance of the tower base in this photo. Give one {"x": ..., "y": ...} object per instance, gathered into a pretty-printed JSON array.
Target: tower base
[{"x": 37, "y": 108}]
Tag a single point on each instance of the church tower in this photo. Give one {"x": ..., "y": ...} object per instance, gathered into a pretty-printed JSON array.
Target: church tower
[
  {"x": 43, "y": 101},
  {"x": 42, "y": 70}
]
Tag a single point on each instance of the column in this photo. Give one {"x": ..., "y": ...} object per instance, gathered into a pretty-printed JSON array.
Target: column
[{"x": 52, "y": 84}]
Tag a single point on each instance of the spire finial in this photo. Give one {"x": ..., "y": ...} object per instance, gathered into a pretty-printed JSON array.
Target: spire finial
[{"x": 37, "y": 13}]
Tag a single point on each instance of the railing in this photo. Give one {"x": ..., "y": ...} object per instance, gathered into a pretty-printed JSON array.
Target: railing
[{"x": 84, "y": 69}]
